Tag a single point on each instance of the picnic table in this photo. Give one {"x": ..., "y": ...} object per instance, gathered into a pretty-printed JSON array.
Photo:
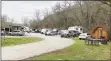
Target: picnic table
[{"x": 93, "y": 41}]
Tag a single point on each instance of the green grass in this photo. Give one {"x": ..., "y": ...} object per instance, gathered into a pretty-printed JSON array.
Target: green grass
[
  {"x": 78, "y": 51},
  {"x": 10, "y": 41}
]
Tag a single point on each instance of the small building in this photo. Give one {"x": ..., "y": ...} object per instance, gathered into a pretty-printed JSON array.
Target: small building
[
  {"x": 76, "y": 28},
  {"x": 99, "y": 31},
  {"x": 11, "y": 27},
  {"x": 17, "y": 27}
]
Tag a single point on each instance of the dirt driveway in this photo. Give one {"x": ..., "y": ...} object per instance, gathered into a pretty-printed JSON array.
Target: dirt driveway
[{"x": 48, "y": 44}]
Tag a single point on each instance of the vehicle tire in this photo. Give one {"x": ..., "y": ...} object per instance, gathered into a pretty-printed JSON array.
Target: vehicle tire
[
  {"x": 80, "y": 39},
  {"x": 61, "y": 35},
  {"x": 69, "y": 36}
]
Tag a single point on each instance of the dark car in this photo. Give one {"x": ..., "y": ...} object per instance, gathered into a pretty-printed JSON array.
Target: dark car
[
  {"x": 38, "y": 30},
  {"x": 77, "y": 33},
  {"x": 74, "y": 33}
]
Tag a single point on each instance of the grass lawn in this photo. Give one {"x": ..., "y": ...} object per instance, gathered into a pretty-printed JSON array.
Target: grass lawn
[
  {"x": 78, "y": 51},
  {"x": 9, "y": 41}
]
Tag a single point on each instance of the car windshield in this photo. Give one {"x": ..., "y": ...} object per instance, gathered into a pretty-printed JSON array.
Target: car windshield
[
  {"x": 43, "y": 29},
  {"x": 54, "y": 29},
  {"x": 65, "y": 31},
  {"x": 49, "y": 30}
]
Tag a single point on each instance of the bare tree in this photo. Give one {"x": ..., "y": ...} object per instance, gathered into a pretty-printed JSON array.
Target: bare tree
[
  {"x": 46, "y": 12},
  {"x": 26, "y": 22},
  {"x": 3, "y": 21},
  {"x": 37, "y": 15},
  {"x": 108, "y": 3}
]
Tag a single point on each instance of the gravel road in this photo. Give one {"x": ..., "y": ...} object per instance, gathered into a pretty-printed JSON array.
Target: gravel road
[{"x": 48, "y": 44}]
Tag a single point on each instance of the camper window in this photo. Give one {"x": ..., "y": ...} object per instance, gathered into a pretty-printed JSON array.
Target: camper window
[
  {"x": 76, "y": 28},
  {"x": 80, "y": 28}
]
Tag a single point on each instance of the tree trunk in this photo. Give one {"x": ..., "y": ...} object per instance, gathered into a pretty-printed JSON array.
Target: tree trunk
[{"x": 109, "y": 32}]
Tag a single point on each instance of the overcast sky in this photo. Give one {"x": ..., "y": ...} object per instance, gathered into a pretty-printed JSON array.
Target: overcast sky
[{"x": 19, "y": 9}]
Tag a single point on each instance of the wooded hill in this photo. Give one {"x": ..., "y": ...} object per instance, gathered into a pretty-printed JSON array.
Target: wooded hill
[{"x": 87, "y": 14}]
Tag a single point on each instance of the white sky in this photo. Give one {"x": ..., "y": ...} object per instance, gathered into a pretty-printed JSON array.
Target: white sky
[{"x": 19, "y": 9}]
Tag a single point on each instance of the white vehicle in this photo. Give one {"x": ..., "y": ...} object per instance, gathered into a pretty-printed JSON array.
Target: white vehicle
[
  {"x": 43, "y": 31},
  {"x": 83, "y": 36},
  {"x": 65, "y": 33},
  {"x": 55, "y": 30},
  {"x": 27, "y": 29},
  {"x": 48, "y": 32},
  {"x": 76, "y": 28}
]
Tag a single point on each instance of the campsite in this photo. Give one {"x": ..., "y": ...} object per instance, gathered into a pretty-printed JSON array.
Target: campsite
[{"x": 56, "y": 30}]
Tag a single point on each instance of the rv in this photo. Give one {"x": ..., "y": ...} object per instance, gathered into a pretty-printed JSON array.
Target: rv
[{"x": 76, "y": 28}]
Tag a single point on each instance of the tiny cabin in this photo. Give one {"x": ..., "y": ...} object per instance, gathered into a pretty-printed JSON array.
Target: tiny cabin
[{"x": 99, "y": 31}]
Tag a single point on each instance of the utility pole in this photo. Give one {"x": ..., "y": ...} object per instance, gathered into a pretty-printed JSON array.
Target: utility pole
[{"x": 109, "y": 32}]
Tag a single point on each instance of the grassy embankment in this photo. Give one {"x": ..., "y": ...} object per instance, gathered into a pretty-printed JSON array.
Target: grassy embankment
[
  {"x": 10, "y": 41},
  {"x": 78, "y": 51}
]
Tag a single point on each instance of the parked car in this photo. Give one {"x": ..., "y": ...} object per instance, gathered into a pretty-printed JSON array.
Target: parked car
[
  {"x": 59, "y": 32},
  {"x": 55, "y": 29},
  {"x": 83, "y": 36},
  {"x": 17, "y": 33},
  {"x": 51, "y": 32},
  {"x": 32, "y": 31},
  {"x": 76, "y": 33},
  {"x": 72, "y": 34},
  {"x": 64, "y": 33},
  {"x": 43, "y": 31},
  {"x": 37, "y": 30}
]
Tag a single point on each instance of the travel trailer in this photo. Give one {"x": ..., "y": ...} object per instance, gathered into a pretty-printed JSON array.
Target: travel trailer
[
  {"x": 76, "y": 28},
  {"x": 27, "y": 29}
]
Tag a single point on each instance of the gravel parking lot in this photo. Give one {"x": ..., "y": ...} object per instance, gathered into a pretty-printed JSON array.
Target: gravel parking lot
[{"x": 48, "y": 44}]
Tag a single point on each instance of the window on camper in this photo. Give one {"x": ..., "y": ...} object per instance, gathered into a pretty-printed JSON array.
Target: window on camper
[
  {"x": 76, "y": 28},
  {"x": 80, "y": 28}
]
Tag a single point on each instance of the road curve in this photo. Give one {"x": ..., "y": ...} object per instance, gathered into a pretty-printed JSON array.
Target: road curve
[{"x": 48, "y": 44}]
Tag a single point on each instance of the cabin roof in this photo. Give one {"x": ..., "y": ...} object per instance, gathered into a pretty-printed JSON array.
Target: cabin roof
[{"x": 97, "y": 28}]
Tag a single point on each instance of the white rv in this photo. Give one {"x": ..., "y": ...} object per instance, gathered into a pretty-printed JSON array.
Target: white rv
[
  {"x": 76, "y": 28},
  {"x": 26, "y": 29}
]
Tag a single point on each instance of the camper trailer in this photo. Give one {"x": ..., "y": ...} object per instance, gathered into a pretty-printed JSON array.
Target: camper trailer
[
  {"x": 27, "y": 29},
  {"x": 76, "y": 28}
]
